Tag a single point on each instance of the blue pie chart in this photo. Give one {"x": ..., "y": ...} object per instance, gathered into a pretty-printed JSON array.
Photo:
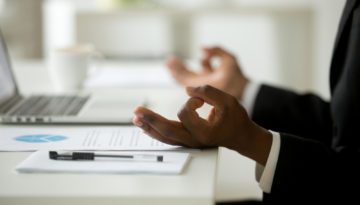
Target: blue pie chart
[{"x": 40, "y": 138}]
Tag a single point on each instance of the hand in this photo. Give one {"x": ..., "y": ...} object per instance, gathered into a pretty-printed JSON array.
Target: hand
[
  {"x": 226, "y": 77},
  {"x": 227, "y": 125}
]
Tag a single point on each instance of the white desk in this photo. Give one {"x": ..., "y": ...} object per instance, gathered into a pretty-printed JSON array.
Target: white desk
[
  {"x": 198, "y": 184},
  {"x": 194, "y": 186}
]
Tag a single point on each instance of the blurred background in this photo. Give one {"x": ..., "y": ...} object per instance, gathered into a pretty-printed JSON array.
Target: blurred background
[{"x": 283, "y": 42}]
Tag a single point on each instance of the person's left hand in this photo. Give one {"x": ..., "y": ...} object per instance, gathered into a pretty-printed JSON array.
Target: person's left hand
[
  {"x": 227, "y": 76},
  {"x": 227, "y": 125}
]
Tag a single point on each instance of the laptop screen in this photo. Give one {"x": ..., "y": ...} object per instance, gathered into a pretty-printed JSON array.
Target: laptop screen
[{"x": 7, "y": 83}]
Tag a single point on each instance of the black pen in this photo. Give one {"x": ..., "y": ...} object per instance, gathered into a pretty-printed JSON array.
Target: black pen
[{"x": 92, "y": 156}]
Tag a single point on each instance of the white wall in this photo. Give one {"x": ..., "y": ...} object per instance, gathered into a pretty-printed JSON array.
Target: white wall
[
  {"x": 127, "y": 34},
  {"x": 20, "y": 22},
  {"x": 272, "y": 46},
  {"x": 250, "y": 36}
]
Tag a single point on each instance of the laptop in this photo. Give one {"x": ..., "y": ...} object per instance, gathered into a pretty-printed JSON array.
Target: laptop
[{"x": 59, "y": 109}]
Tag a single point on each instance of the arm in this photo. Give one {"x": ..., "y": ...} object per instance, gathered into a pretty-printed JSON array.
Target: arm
[
  {"x": 285, "y": 111},
  {"x": 305, "y": 115},
  {"x": 305, "y": 168},
  {"x": 311, "y": 171}
]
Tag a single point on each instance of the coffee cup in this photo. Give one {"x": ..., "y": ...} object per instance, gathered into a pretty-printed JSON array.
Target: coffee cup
[{"x": 69, "y": 66}]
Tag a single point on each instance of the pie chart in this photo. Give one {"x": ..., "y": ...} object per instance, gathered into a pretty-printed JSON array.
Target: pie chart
[{"x": 41, "y": 138}]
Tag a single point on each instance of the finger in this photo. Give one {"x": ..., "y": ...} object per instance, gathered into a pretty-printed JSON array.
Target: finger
[
  {"x": 206, "y": 62},
  {"x": 209, "y": 94},
  {"x": 206, "y": 65},
  {"x": 166, "y": 128},
  {"x": 153, "y": 133},
  {"x": 190, "y": 107},
  {"x": 179, "y": 71},
  {"x": 216, "y": 51},
  {"x": 212, "y": 115},
  {"x": 151, "y": 118},
  {"x": 224, "y": 56},
  {"x": 190, "y": 118},
  {"x": 137, "y": 122},
  {"x": 156, "y": 135},
  {"x": 194, "y": 103}
]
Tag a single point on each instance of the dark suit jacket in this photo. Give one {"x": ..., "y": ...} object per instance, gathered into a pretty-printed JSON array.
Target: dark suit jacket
[{"x": 319, "y": 157}]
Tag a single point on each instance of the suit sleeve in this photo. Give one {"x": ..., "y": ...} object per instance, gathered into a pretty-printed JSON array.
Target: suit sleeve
[
  {"x": 285, "y": 111},
  {"x": 309, "y": 171}
]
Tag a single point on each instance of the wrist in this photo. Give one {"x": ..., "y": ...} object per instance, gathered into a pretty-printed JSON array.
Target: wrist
[
  {"x": 255, "y": 144},
  {"x": 241, "y": 88}
]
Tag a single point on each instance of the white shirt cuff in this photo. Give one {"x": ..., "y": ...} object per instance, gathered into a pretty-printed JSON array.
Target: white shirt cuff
[
  {"x": 265, "y": 175},
  {"x": 249, "y": 96}
]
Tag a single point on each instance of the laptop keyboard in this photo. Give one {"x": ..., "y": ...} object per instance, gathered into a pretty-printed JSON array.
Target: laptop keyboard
[{"x": 50, "y": 106}]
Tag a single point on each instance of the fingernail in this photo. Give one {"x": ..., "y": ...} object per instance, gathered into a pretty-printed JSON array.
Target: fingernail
[
  {"x": 146, "y": 118},
  {"x": 140, "y": 116},
  {"x": 141, "y": 125},
  {"x": 138, "y": 123},
  {"x": 145, "y": 127}
]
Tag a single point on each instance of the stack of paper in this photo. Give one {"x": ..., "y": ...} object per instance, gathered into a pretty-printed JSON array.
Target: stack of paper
[
  {"x": 115, "y": 138},
  {"x": 173, "y": 163},
  {"x": 78, "y": 138}
]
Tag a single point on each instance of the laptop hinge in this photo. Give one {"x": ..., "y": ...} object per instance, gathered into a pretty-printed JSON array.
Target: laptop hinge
[{"x": 8, "y": 104}]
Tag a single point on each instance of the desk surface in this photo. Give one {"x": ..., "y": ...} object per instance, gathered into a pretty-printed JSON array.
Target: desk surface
[{"x": 194, "y": 186}]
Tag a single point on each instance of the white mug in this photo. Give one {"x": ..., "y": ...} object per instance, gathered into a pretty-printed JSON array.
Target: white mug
[{"x": 69, "y": 66}]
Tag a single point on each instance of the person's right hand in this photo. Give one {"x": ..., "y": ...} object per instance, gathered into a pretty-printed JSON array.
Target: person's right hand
[
  {"x": 228, "y": 125},
  {"x": 226, "y": 77}
]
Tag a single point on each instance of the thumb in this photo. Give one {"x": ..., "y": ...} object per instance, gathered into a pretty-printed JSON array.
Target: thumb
[
  {"x": 206, "y": 60},
  {"x": 206, "y": 65}
]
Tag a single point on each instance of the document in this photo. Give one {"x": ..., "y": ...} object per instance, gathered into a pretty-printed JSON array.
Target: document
[
  {"x": 173, "y": 163},
  {"x": 78, "y": 138}
]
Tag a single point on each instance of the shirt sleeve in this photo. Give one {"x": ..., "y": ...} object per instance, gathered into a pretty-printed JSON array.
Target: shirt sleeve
[{"x": 264, "y": 175}]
